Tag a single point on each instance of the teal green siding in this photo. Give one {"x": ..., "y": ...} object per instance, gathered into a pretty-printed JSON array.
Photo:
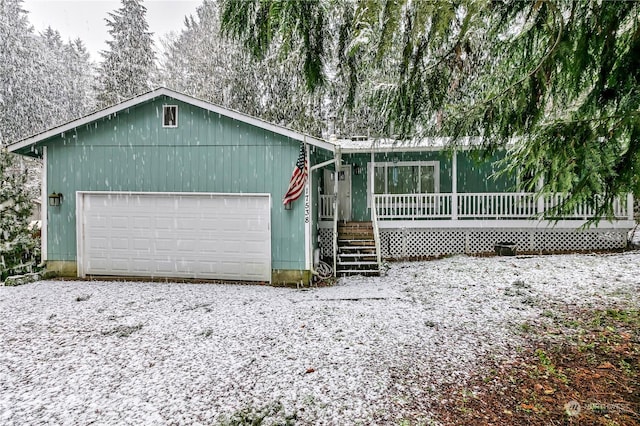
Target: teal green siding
[
  {"x": 130, "y": 151},
  {"x": 476, "y": 173}
]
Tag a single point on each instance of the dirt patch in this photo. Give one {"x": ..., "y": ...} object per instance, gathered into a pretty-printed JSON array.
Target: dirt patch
[{"x": 582, "y": 369}]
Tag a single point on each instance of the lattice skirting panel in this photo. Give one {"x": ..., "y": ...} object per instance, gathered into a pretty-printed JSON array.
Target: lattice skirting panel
[
  {"x": 415, "y": 243},
  {"x": 324, "y": 240}
]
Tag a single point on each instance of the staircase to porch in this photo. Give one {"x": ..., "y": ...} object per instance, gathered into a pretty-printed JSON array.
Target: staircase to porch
[{"x": 356, "y": 249}]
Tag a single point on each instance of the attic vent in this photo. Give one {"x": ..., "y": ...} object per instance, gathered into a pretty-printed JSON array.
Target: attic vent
[
  {"x": 359, "y": 138},
  {"x": 169, "y": 116}
]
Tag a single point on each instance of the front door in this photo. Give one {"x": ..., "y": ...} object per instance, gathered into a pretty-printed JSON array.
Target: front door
[
  {"x": 344, "y": 190},
  {"x": 344, "y": 193}
]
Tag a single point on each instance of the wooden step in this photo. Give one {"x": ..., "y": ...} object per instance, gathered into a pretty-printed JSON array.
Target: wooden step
[
  {"x": 357, "y": 255},
  {"x": 358, "y": 261},
  {"x": 355, "y": 228},
  {"x": 356, "y": 241},
  {"x": 355, "y": 268},
  {"x": 358, "y": 272},
  {"x": 351, "y": 249},
  {"x": 355, "y": 225},
  {"x": 355, "y": 236}
]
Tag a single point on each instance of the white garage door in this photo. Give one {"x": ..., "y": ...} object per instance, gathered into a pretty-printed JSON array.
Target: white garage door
[{"x": 189, "y": 235}]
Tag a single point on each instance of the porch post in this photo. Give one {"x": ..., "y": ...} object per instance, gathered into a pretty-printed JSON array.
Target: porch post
[
  {"x": 539, "y": 186},
  {"x": 336, "y": 186},
  {"x": 454, "y": 185},
  {"x": 371, "y": 171},
  {"x": 630, "y": 206},
  {"x": 308, "y": 202},
  {"x": 337, "y": 167}
]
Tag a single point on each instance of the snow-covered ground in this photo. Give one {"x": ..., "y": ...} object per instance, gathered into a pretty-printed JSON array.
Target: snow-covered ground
[{"x": 357, "y": 353}]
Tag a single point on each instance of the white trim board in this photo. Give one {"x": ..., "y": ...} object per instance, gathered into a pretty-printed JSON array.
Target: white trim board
[
  {"x": 308, "y": 202},
  {"x": 44, "y": 208},
  {"x": 481, "y": 225}
]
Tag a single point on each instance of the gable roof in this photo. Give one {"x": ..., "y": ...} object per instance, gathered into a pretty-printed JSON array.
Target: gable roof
[{"x": 163, "y": 91}]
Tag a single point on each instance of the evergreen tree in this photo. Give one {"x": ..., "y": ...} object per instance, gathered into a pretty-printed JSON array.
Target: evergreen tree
[
  {"x": 563, "y": 85},
  {"x": 202, "y": 63},
  {"x": 67, "y": 86},
  {"x": 128, "y": 67},
  {"x": 43, "y": 81},
  {"x": 556, "y": 81},
  {"x": 19, "y": 250},
  {"x": 21, "y": 70},
  {"x": 79, "y": 69}
]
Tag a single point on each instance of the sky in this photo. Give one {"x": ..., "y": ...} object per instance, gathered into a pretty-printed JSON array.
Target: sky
[{"x": 85, "y": 19}]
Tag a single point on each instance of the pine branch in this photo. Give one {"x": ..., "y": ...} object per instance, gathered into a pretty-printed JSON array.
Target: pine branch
[{"x": 529, "y": 74}]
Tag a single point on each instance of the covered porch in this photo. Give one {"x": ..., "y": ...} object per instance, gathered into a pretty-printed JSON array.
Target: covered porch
[{"x": 429, "y": 201}]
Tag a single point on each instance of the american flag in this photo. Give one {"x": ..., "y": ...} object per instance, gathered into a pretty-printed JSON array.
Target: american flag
[{"x": 298, "y": 178}]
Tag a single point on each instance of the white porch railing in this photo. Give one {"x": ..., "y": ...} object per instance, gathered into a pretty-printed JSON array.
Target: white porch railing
[
  {"x": 326, "y": 207},
  {"x": 511, "y": 205},
  {"x": 498, "y": 205},
  {"x": 415, "y": 206},
  {"x": 583, "y": 211}
]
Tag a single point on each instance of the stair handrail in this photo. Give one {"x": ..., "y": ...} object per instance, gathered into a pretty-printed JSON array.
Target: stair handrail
[
  {"x": 335, "y": 232},
  {"x": 376, "y": 231}
]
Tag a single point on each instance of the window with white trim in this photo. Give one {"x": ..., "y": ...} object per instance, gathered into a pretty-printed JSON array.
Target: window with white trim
[
  {"x": 169, "y": 116},
  {"x": 404, "y": 177}
]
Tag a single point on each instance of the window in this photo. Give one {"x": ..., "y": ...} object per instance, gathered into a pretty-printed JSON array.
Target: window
[
  {"x": 405, "y": 177},
  {"x": 169, "y": 116}
]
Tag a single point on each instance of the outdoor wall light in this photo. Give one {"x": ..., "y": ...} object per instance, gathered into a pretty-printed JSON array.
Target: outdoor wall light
[
  {"x": 55, "y": 199},
  {"x": 357, "y": 169},
  {"x": 288, "y": 206}
]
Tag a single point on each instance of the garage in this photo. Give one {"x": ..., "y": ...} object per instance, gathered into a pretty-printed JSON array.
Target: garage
[{"x": 174, "y": 235}]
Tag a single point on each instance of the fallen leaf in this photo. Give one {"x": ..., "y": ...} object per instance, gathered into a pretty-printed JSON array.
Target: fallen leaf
[
  {"x": 549, "y": 391},
  {"x": 310, "y": 370},
  {"x": 508, "y": 412},
  {"x": 528, "y": 407},
  {"x": 606, "y": 365}
]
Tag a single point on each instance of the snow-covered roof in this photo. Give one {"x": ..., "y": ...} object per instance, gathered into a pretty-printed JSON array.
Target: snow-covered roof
[
  {"x": 163, "y": 91},
  {"x": 365, "y": 144}
]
